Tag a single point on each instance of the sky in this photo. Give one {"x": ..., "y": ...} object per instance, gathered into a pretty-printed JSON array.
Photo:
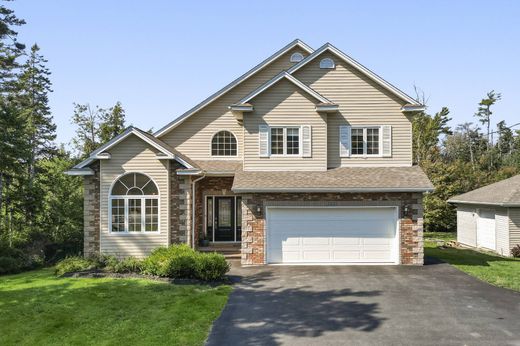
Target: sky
[{"x": 160, "y": 58}]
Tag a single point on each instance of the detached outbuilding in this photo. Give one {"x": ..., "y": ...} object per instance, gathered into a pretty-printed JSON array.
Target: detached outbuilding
[{"x": 489, "y": 217}]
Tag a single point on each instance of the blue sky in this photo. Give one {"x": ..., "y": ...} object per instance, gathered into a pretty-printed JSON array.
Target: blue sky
[{"x": 160, "y": 58}]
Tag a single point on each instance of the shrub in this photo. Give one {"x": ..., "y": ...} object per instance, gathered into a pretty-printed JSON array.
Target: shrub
[
  {"x": 127, "y": 265},
  {"x": 211, "y": 267},
  {"x": 74, "y": 264},
  {"x": 515, "y": 251},
  {"x": 9, "y": 265},
  {"x": 177, "y": 261}
]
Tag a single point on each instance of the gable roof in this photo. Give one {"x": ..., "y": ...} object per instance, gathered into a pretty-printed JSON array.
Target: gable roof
[
  {"x": 182, "y": 117},
  {"x": 330, "y": 48},
  {"x": 163, "y": 148},
  {"x": 505, "y": 193},
  {"x": 291, "y": 79}
]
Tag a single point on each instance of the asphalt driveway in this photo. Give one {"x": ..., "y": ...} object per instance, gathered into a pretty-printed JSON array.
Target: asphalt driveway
[{"x": 366, "y": 305}]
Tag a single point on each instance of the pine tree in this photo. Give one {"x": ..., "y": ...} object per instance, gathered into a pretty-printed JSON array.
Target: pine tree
[{"x": 484, "y": 112}]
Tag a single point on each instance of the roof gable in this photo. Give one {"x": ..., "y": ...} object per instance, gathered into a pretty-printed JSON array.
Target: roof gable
[
  {"x": 370, "y": 74},
  {"x": 239, "y": 80},
  {"x": 164, "y": 149}
]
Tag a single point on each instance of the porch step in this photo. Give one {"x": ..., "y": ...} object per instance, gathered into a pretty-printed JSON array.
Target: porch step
[{"x": 230, "y": 251}]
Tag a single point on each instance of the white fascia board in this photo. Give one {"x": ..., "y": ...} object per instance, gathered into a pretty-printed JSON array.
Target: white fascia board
[
  {"x": 327, "y": 108},
  {"x": 319, "y": 189},
  {"x": 413, "y": 108},
  {"x": 275, "y": 80},
  {"x": 505, "y": 205},
  {"x": 241, "y": 108},
  {"x": 190, "y": 172},
  {"x": 358, "y": 66},
  {"x": 80, "y": 172},
  {"x": 231, "y": 85}
]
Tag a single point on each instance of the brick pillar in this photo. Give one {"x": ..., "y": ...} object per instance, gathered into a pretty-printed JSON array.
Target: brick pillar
[{"x": 91, "y": 213}]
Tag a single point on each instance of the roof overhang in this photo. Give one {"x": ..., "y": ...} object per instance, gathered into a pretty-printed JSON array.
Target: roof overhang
[
  {"x": 254, "y": 70},
  {"x": 80, "y": 172},
  {"x": 413, "y": 108},
  {"x": 327, "y": 107},
  {"x": 505, "y": 205},
  {"x": 335, "y": 189}
]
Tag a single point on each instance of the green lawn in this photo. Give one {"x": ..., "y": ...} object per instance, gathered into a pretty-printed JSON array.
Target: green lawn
[
  {"x": 446, "y": 236},
  {"x": 496, "y": 270},
  {"x": 37, "y": 308}
]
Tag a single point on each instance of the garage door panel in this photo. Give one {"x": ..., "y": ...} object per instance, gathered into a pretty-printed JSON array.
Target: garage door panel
[{"x": 325, "y": 235}]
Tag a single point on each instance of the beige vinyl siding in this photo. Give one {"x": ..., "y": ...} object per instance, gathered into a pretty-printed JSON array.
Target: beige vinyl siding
[
  {"x": 361, "y": 102},
  {"x": 285, "y": 104},
  {"x": 502, "y": 231},
  {"x": 193, "y": 136},
  {"x": 133, "y": 155},
  {"x": 466, "y": 225},
  {"x": 514, "y": 227}
]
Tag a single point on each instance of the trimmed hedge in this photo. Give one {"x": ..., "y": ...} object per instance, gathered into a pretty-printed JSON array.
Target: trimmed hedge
[{"x": 176, "y": 261}]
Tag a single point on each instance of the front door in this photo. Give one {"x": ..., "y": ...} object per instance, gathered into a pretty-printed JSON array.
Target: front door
[{"x": 224, "y": 219}]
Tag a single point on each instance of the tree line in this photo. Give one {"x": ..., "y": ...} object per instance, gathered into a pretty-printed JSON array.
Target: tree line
[
  {"x": 462, "y": 158},
  {"x": 41, "y": 217}
]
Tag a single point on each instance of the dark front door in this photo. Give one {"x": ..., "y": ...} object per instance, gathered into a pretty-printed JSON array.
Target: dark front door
[{"x": 224, "y": 219}]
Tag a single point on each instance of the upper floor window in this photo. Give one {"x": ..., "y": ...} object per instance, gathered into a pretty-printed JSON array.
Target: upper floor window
[
  {"x": 327, "y": 63},
  {"x": 285, "y": 141},
  {"x": 296, "y": 57},
  {"x": 365, "y": 141},
  {"x": 134, "y": 204},
  {"x": 224, "y": 143}
]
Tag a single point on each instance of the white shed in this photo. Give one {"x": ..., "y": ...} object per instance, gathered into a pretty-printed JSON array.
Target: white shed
[{"x": 489, "y": 217}]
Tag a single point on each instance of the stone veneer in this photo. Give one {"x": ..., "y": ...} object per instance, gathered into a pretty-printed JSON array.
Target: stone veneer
[
  {"x": 411, "y": 223},
  {"x": 206, "y": 187},
  {"x": 180, "y": 205},
  {"x": 91, "y": 212}
]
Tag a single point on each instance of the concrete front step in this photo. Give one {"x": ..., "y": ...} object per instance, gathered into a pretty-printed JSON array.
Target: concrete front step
[{"x": 230, "y": 251}]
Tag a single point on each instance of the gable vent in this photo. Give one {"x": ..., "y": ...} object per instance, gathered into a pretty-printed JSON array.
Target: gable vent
[
  {"x": 296, "y": 57},
  {"x": 327, "y": 63}
]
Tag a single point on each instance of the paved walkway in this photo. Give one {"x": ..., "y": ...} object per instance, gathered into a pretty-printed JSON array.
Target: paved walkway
[{"x": 366, "y": 305}]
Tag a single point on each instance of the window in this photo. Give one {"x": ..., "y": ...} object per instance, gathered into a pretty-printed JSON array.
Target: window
[
  {"x": 296, "y": 57},
  {"x": 327, "y": 63},
  {"x": 365, "y": 141},
  {"x": 134, "y": 204},
  {"x": 224, "y": 143},
  {"x": 285, "y": 141}
]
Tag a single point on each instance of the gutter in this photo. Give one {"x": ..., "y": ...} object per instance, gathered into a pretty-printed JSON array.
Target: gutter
[
  {"x": 193, "y": 199},
  {"x": 505, "y": 205}
]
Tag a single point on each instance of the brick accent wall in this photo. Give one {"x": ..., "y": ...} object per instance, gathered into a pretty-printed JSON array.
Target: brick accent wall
[
  {"x": 411, "y": 222},
  {"x": 206, "y": 187},
  {"x": 180, "y": 205},
  {"x": 91, "y": 212}
]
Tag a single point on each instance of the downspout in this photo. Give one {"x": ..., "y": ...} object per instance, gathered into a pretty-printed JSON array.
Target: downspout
[{"x": 193, "y": 199}]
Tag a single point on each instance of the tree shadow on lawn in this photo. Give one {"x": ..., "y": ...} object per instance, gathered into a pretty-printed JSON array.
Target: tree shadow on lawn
[
  {"x": 459, "y": 256},
  {"x": 258, "y": 313}
]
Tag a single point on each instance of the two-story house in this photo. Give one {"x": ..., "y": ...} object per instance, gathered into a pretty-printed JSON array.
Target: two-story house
[{"x": 306, "y": 158}]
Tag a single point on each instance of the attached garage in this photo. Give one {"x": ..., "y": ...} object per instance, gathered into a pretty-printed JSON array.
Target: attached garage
[{"x": 311, "y": 235}]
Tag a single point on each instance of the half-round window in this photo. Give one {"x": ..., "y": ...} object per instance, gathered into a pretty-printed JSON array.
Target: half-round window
[
  {"x": 327, "y": 63},
  {"x": 134, "y": 204},
  {"x": 296, "y": 57},
  {"x": 224, "y": 143}
]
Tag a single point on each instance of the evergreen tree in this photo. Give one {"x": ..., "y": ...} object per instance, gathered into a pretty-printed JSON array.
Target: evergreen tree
[
  {"x": 10, "y": 48},
  {"x": 484, "y": 112},
  {"x": 112, "y": 123}
]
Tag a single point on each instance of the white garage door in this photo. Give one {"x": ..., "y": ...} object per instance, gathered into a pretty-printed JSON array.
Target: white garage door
[
  {"x": 486, "y": 233},
  {"x": 332, "y": 235}
]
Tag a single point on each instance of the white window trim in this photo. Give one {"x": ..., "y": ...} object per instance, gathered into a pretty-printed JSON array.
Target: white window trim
[
  {"x": 213, "y": 221},
  {"x": 365, "y": 128},
  {"x": 285, "y": 127},
  {"x": 143, "y": 208},
  {"x": 222, "y": 157}
]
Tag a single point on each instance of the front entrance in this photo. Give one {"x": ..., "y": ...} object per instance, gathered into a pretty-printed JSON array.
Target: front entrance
[{"x": 223, "y": 218}]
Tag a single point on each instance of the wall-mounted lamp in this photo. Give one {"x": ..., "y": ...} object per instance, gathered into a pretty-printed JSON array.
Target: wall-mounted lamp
[{"x": 405, "y": 209}]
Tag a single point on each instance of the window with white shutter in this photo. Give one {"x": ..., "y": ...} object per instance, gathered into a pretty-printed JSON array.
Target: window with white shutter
[
  {"x": 306, "y": 141},
  {"x": 344, "y": 141},
  {"x": 387, "y": 140},
  {"x": 263, "y": 140}
]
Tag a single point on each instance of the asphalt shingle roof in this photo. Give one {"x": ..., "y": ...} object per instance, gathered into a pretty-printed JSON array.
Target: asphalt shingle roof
[
  {"x": 344, "y": 179},
  {"x": 504, "y": 193}
]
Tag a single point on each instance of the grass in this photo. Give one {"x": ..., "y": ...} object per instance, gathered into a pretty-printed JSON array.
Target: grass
[
  {"x": 496, "y": 270},
  {"x": 36, "y": 308}
]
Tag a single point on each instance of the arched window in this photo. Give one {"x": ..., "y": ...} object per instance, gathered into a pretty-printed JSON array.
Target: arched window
[
  {"x": 296, "y": 57},
  {"x": 224, "y": 143},
  {"x": 327, "y": 63},
  {"x": 134, "y": 204}
]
